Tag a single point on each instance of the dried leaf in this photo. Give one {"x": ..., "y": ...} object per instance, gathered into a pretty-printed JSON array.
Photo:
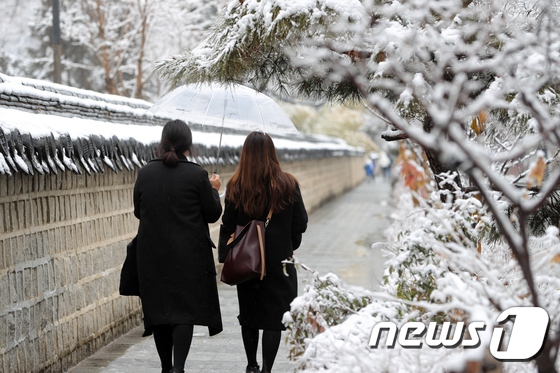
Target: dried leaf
[{"x": 536, "y": 173}]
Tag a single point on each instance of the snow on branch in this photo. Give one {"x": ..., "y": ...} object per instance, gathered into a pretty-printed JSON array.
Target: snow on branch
[{"x": 474, "y": 84}]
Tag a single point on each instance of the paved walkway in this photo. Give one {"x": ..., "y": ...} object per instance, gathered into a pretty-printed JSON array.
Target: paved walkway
[{"x": 338, "y": 240}]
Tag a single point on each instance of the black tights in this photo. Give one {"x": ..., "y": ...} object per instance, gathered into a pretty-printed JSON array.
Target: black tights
[
  {"x": 270, "y": 345},
  {"x": 173, "y": 341}
]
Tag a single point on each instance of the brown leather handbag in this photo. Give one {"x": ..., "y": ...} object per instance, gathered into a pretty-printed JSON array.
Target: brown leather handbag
[{"x": 246, "y": 259}]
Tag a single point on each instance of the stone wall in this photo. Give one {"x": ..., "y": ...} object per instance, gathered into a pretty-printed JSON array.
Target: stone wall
[
  {"x": 62, "y": 243},
  {"x": 62, "y": 238},
  {"x": 324, "y": 179}
]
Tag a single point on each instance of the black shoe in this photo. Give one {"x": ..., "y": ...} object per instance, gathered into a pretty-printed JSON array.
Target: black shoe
[
  {"x": 253, "y": 369},
  {"x": 166, "y": 370},
  {"x": 177, "y": 371}
]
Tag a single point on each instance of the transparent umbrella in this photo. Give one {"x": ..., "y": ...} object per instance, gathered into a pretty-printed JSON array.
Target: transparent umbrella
[
  {"x": 231, "y": 106},
  {"x": 224, "y": 106}
]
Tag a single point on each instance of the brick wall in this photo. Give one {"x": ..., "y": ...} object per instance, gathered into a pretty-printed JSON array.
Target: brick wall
[{"x": 62, "y": 243}]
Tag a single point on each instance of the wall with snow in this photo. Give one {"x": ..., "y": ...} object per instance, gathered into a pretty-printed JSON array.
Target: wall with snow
[{"x": 68, "y": 162}]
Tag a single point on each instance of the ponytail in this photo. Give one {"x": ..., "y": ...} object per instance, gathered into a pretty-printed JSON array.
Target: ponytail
[
  {"x": 168, "y": 154},
  {"x": 176, "y": 138}
]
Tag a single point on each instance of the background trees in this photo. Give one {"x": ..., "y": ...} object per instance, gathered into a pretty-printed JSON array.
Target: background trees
[
  {"x": 474, "y": 84},
  {"x": 108, "y": 46},
  {"x": 112, "y": 47}
]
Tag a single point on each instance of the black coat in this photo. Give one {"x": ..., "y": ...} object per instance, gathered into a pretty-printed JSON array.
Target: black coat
[
  {"x": 262, "y": 304},
  {"x": 176, "y": 267}
]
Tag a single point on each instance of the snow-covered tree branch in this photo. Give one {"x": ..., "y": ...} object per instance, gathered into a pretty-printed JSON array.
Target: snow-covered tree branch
[{"x": 474, "y": 84}]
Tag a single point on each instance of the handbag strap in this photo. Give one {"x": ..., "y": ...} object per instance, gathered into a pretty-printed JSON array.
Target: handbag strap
[
  {"x": 261, "y": 247},
  {"x": 239, "y": 236},
  {"x": 268, "y": 217}
]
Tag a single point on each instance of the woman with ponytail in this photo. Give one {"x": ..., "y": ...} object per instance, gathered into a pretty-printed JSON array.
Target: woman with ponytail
[
  {"x": 258, "y": 185},
  {"x": 175, "y": 201}
]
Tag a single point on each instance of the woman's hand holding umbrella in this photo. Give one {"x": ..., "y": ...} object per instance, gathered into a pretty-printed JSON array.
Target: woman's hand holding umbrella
[{"x": 215, "y": 181}]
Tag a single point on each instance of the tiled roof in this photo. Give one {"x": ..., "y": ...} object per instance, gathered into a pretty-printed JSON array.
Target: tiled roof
[
  {"x": 30, "y": 145},
  {"x": 23, "y": 151}
]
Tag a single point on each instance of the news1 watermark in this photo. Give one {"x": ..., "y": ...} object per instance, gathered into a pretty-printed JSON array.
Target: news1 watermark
[{"x": 523, "y": 342}]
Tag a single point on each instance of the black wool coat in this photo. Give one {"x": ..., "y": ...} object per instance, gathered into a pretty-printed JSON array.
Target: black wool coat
[
  {"x": 262, "y": 304},
  {"x": 176, "y": 269}
]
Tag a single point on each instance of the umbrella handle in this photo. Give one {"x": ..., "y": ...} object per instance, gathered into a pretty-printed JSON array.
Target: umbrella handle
[
  {"x": 218, "y": 155},
  {"x": 221, "y": 134}
]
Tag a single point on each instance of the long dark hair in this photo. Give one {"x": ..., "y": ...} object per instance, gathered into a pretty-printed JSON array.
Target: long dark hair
[
  {"x": 176, "y": 138},
  {"x": 259, "y": 183}
]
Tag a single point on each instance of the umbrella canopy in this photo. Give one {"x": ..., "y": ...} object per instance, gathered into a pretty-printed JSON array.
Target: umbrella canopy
[{"x": 231, "y": 106}]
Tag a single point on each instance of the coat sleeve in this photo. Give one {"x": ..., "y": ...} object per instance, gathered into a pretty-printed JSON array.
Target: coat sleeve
[
  {"x": 209, "y": 199},
  {"x": 299, "y": 220},
  {"x": 136, "y": 199},
  {"x": 229, "y": 219},
  {"x": 229, "y": 222}
]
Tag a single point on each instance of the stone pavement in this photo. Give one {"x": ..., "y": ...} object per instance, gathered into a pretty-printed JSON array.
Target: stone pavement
[{"x": 338, "y": 240}]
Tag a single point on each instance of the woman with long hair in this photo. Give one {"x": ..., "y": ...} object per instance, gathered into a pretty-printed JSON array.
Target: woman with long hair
[
  {"x": 175, "y": 201},
  {"x": 258, "y": 185}
]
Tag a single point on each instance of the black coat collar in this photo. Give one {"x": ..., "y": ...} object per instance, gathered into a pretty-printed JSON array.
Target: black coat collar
[{"x": 182, "y": 159}]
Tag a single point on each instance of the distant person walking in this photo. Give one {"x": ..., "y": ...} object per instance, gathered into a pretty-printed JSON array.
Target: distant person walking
[
  {"x": 258, "y": 185},
  {"x": 385, "y": 165},
  {"x": 175, "y": 201},
  {"x": 369, "y": 167}
]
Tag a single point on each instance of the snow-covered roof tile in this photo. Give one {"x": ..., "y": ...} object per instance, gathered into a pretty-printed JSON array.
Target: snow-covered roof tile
[{"x": 49, "y": 128}]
